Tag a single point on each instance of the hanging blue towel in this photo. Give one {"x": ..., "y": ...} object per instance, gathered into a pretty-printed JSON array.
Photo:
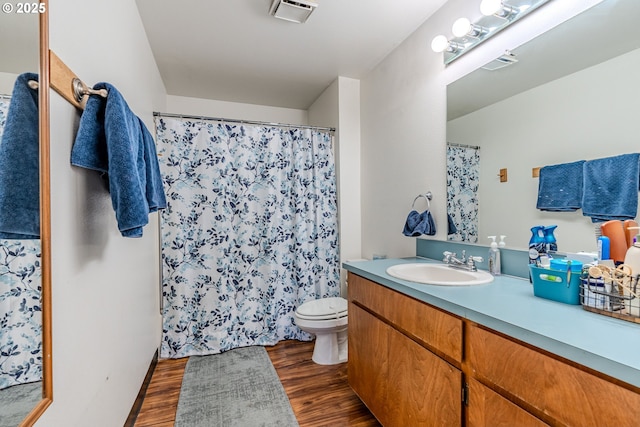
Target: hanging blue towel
[
  {"x": 560, "y": 187},
  {"x": 113, "y": 140},
  {"x": 19, "y": 164},
  {"x": 451, "y": 225},
  {"x": 419, "y": 223},
  {"x": 611, "y": 188}
]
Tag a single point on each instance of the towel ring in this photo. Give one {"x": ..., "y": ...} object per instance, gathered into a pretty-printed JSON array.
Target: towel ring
[{"x": 427, "y": 196}]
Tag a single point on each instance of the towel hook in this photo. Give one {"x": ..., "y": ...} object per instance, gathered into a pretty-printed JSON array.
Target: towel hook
[
  {"x": 80, "y": 90},
  {"x": 427, "y": 196}
]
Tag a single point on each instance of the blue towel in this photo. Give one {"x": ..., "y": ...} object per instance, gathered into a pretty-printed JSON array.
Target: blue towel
[
  {"x": 451, "y": 225},
  {"x": 419, "y": 223},
  {"x": 611, "y": 188},
  {"x": 560, "y": 187},
  {"x": 19, "y": 164},
  {"x": 113, "y": 140}
]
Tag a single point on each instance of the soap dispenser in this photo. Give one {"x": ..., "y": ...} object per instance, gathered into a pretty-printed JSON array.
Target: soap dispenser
[
  {"x": 502, "y": 243},
  {"x": 494, "y": 257}
]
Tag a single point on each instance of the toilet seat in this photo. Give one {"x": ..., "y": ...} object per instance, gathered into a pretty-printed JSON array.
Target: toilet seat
[{"x": 323, "y": 309}]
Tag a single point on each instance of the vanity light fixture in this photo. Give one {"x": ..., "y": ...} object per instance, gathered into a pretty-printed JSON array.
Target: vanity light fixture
[
  {"x": 497, "y": 15},
  {"x": 441, "y": 44},
  {"x": 497, "y": 8},
  {"x": 463, "y": 27}
]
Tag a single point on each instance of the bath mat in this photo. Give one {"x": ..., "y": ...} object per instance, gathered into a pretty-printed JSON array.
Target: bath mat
[
  {"x": 17, "y": 401},
  {"x": 237, "y": 388}
]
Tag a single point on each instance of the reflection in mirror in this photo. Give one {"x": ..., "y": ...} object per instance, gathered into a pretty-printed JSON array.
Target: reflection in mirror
[
  {"x": 571, "y": 96},
  {"x": 21, "y": 360}
]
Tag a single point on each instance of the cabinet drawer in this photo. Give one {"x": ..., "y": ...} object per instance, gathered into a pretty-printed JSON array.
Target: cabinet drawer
[
  {"x": 558, "y": 390},
  {"x": 437, "y": 330}
]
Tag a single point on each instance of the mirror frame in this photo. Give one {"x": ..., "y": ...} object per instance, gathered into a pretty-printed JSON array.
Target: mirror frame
[{"x": 45, "y": 218}]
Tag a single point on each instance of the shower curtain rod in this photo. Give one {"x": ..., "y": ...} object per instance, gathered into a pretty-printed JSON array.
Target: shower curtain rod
[
  {"x": 250, "y": 122},
  {"x": 453, "y": 144}
]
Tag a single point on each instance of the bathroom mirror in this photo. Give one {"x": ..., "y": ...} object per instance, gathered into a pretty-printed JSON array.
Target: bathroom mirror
[
  {"x": 571, "y": 96},
  {"x": 25, "y": 339}
]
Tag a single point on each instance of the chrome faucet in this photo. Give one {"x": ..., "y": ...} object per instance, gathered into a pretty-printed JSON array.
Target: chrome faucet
[{"x": 463, "y": 263}]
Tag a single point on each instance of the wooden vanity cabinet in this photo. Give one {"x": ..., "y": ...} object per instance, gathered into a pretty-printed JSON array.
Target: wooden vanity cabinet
[
  {"x": 555, "y": 390},
  {"x": 402, "y": 382},
  {"x": 489, "y": 409},
  {"x": 415, "y": 365}
]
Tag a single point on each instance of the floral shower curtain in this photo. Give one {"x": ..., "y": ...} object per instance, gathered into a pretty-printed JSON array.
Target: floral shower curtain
[
  {"x": 20, "y": 308},
  {"x": 249, "y": 233},
  {"x": 463, "y": 176}
]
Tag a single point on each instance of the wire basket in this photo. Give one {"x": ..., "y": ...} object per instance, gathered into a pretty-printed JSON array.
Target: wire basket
[{"x": 611, "y": 292}]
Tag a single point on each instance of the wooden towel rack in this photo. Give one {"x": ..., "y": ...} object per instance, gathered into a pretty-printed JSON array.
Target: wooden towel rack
[{"x": 68, "y": 85}]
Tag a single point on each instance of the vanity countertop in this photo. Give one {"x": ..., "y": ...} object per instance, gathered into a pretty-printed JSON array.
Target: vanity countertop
[{"x": 507, "y": 305}]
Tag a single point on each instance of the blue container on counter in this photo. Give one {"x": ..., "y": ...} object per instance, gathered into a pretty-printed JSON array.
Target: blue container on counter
[{"x": 558, "y": 283}]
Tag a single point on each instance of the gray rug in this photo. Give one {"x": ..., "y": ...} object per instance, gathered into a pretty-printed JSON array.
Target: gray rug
[
  {"x": 237, "y": 388},
  {"x": 17, "y": 401}
]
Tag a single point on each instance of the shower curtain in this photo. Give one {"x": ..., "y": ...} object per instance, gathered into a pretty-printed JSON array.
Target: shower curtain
[
  {"x": 250, "y": 232},
  {"x": 463, "y": 176},
  {"x": 20, "y": 308}
]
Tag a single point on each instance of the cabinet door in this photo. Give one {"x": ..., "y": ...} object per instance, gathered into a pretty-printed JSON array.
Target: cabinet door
[
  {"x": 367, "y": 366},
  {"x": 423, "y": 389},
  {"x": 556, "y": 389},
  {"x": 488, "y": 409}
]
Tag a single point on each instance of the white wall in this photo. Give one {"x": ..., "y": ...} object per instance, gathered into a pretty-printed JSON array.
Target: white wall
[
  {"x": 7, "y": 80},
  {"x": 403, "y": 105},
  {"x": 339, "y": 107},
  {"x": 106, "y": 321},
  {"x": 573, "y": 118},
  {"x": 234, "y": 110}
]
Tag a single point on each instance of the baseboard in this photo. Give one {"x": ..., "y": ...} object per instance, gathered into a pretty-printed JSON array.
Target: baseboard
[{"x": 137, "y": 405}]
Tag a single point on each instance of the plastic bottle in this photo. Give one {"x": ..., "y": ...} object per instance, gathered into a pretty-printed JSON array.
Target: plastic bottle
[
  {"x": 550, "y": 239},
  {"x": 603, "y": 248},
  {"x": 502, "y": 243},
  {"x": 632, "y": 260},
  {"x": 494, "y": 257},
  {"x": 537, "y": 244}
]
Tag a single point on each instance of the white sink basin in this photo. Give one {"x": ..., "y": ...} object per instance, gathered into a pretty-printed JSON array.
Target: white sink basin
[{"x": 438, "y": 274}]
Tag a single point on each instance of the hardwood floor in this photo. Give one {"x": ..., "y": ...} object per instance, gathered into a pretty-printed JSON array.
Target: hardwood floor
[{"x": 319, "y": 395}]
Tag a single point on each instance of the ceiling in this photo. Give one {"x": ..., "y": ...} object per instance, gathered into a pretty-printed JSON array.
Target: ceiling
[{"x": 233, "y": 50}]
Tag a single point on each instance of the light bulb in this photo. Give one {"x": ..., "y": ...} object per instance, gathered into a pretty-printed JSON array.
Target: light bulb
[
  {"x": 461, "y": 27},
  {"x": 489, "y": 7},
  {"x": 439, "y": 43}
]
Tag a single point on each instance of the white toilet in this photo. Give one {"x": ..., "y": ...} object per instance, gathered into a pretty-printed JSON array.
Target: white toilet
[{"x": 326, "y": 318}]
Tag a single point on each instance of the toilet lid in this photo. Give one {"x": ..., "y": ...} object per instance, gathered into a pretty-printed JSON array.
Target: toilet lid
[{"x": 323, "y": 309}]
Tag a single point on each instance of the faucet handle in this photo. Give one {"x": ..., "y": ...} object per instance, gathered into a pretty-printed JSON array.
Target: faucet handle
[{"x": 471, "y": 263}]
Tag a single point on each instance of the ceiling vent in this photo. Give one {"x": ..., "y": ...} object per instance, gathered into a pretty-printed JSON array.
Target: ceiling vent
[
  {"x": 500, "y": 62},
  {"x": 292, "y": 11}
]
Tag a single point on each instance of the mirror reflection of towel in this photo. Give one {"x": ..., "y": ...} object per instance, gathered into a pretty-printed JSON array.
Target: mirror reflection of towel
[
  {"x": 451, "y": 225},
  {"x": 611, "y": 188},
  {"x": 560, "y": 187},
  {"x": 419, "y": 223},
  {"x": 19, "y": 164}
]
